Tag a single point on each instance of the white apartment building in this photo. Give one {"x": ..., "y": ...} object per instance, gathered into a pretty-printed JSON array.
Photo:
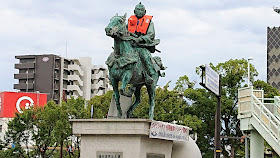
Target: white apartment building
[
  {"x": 82, "y": 79},
  {"x": 61, "y": 78}
]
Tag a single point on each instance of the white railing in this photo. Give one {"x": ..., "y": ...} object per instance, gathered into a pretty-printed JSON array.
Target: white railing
[
  {"x": 266, "y": 117},
  {"x": 276, "y": 110},
  {"x": 252, "y": 103}
]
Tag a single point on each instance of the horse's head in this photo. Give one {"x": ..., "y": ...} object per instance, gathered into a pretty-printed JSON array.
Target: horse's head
[{"x": 117, "y": 26}]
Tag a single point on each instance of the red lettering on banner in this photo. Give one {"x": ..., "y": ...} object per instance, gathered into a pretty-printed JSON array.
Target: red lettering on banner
[{"x": 184, "y": 130}]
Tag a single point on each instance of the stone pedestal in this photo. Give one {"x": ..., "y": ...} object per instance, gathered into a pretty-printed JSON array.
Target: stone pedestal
[
  {"x": 119, "y": 138},
  {"x": 126, "y": 102}
]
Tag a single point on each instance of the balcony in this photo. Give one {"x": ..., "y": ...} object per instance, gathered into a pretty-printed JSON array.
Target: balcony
[
  {"x": 25, "y": 66},
  {"x": 65, "y": 76},
  {"x": 74, "y": 96},
  {"x": 24, "y": 86},
  {"x": 100, "y": 92},
  {"x": 56, "y": 86},
  {"x": 100, "y": 74},
  {"x": 64, "y": 86},
  {"x": 57, "y": 65},
  {"x": 24, "y": 75},
  {"x": 56, "y": 76},
  {"x": 100, "y": 84},
  {"x": 77, "y": 69},
  {"x": 55, "y": 97},
  {"x": 75, "y": 88},
  {"x": 76, "y": 78}
]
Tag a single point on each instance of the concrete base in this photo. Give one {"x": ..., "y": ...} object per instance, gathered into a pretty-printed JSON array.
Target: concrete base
[
  {"x": 126, "y": 102},
  {"x": 185, "y": 149},
  {"x": 120, "y": 138}
]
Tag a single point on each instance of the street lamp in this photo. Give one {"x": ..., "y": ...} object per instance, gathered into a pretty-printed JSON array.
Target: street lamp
[{"x": 250, "y": 58}]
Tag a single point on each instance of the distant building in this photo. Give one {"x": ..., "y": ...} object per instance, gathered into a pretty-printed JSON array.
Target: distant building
[
  {"x": 273, "y": 57},
  {"x": 61, "y": 78}
]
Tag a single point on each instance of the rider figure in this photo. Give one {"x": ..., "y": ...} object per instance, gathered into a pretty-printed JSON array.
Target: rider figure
[{"x": 141, "y": 28}]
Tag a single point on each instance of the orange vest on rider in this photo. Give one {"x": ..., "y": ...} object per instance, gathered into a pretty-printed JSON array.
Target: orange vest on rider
[{"x": 139, "y": 25}]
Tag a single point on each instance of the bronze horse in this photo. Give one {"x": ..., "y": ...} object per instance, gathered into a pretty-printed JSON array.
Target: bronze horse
[{"x": 125, "y": 66}]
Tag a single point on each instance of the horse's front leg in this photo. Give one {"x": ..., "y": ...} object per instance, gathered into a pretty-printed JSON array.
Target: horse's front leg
[
  {"x": 152, "y": 95},
  {"x": 125, "y": 80},
  {"x": 115, "y": 84}
]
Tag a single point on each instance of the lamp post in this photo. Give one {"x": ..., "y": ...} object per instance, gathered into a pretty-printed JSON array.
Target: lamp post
[
  {"x": 246, "y": 138},
  {"x": 250, "y": 58}
]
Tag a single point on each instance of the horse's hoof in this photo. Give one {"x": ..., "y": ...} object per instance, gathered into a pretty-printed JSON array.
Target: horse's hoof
[
  {"x": 121, "y": 91},
  {"x": 129, "y": 114},
  {"x": 119, "y": 114}
]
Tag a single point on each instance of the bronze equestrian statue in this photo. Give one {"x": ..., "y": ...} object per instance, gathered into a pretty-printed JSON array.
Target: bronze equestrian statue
[{"x": 131, "y": 61}]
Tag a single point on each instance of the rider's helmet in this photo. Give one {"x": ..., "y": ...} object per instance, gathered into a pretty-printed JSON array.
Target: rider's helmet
[{"x": 139, "y": 10}]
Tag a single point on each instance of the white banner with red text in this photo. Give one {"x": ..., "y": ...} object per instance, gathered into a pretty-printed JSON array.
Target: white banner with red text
[{"x": 168, "y": 131}]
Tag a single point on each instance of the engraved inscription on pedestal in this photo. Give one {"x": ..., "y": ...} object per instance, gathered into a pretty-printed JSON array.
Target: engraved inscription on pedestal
[
  {"x": 102, "y": 154},
  {"x": 155, "y": 155}
]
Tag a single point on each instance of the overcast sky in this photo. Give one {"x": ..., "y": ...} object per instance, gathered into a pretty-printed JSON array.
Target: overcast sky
[{"x": 192, "y": 32}]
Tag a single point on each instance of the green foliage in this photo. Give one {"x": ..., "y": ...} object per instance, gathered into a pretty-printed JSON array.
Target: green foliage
[
  {"x": 20, "y": 131},
  {"x": 269, "y": 90},
  {"x": 166, "y": 109},
  {"x": 204, "y": 107},
  {"x": 192, "y": 121},
  {"x": 46, "y": 126},
  {"x": 100, "y": 105},
  {"x": 170, "y": 107},
  {"x": 183, "y": 83},
  {"x": 233, "y": 74},
  {"x": 76, "y": 108},
  {"x": 184, "y": 105}
]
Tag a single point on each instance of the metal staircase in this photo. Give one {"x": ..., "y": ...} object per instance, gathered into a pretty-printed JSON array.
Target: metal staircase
[{"x": 260, "y": 114}]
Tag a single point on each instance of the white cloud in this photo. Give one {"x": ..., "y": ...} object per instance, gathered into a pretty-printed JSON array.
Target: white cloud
[{"x": 191, "y": 32}]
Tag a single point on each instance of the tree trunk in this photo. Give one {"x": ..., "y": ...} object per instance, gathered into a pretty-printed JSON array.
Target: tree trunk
[
  {"x": 61, "y": 149},
  {"x": 232, "y": 150}
]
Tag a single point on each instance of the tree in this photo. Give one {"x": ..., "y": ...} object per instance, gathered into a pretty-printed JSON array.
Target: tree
[
  {"x": 183, "y": 83},
  {"x": 100, "y": 105},
  {"x": 170, "y": 107},
  {"x": 46, "y": 126},
  {"x": 269, "y": 90},
  {"x": 233, "y": 74},
  {"x": 76, "y": 108},
  {"x": 20, "y": 130}
]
